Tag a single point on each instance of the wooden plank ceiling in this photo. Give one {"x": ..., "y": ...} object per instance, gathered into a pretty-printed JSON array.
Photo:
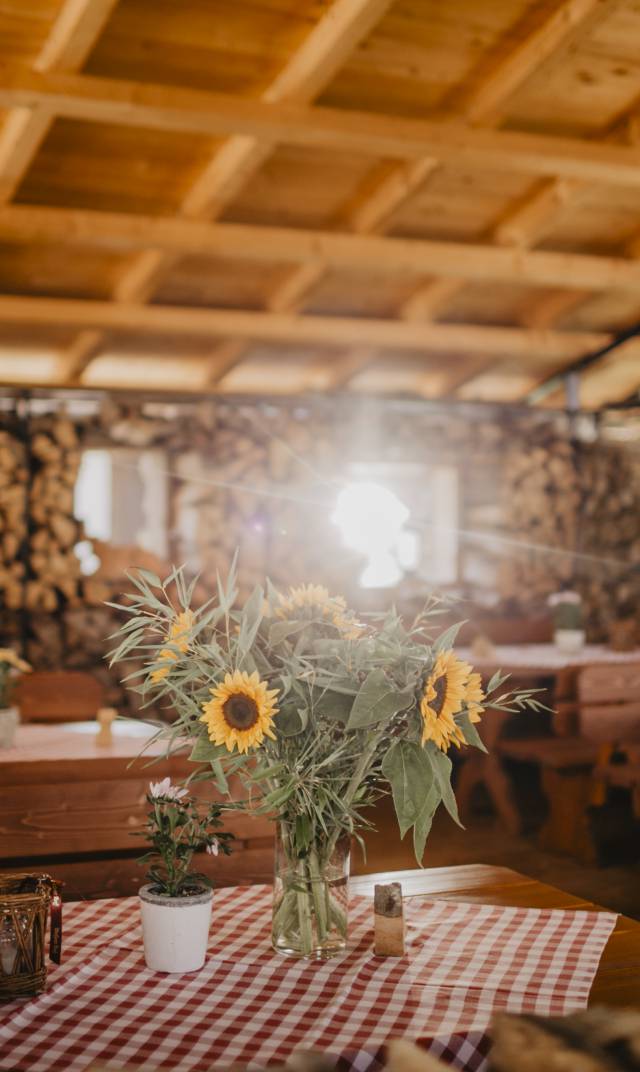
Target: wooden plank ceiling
[{"x": 288, "y": 195}]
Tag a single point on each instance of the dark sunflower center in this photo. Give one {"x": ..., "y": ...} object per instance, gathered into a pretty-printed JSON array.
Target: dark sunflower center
[
  {"x": 240, "y": 712},
  {"x": 440, "y": 687}
]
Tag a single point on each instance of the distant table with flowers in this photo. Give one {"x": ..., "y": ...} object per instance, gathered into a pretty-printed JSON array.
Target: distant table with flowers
[
  {"x": 479, "y": 940},
  {"x": 537, "y": 665},
  {"x": 70, "y": 805}
]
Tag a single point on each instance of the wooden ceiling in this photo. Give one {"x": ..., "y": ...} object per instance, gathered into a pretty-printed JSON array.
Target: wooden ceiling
[{"x": 439, "y": 198}]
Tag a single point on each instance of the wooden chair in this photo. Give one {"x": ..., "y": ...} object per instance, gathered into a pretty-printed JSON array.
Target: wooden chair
[
  {"x": 59, "y": 696},
  {"x": 608, "y": 717}
]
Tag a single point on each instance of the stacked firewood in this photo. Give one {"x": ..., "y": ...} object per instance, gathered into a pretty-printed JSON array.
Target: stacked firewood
[
  {"x": 571, "y": 516},
  {"x": 13, "y": 519},
  {"x": 53, "y": 565},
  {"x": 542, "y": 498}
]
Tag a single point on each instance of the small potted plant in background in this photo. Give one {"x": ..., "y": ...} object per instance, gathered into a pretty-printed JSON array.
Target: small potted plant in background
[
  {"x": 11, "y": 666},
  {"x": 568, "y": 621},
  {"x": 176, "y": 903}
]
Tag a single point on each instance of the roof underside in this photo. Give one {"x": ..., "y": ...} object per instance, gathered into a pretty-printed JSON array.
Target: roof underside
[{"x": 400, "y": 196}]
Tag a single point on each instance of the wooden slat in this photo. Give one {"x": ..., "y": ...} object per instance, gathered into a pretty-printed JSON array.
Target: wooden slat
[
  {"x": 372, "y": 254},
  {"x": 429, "y": 298},
  {"x": 72, "y": 36},
  {"x": 524, "y": 59},
  {"x": 326, "y": 48},
  {"x": 531, "y": 219},
  {"x": 338, "y": 331},
  {"x": 214, "y": 114}
]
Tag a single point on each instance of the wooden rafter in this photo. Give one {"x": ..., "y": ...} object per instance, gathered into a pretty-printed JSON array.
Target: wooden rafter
[
  {"x": 370, "y": 254},
  {"x": 72, "y": 36},
  {"x": 479, "y": 104},
  {"x": 214, "y": 114},
  {"x": 311, "y": 67},
  {"x": 321, "y": 330}
]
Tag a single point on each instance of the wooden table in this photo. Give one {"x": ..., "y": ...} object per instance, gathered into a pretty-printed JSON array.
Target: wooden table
[
  {"x": 70, "y": 806},
  {"x": 618, "y": 979},
  {"x": 528, "y": 665}
]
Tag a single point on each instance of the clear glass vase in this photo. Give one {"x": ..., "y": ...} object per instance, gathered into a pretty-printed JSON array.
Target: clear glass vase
[{"x": 310, "y": 897}]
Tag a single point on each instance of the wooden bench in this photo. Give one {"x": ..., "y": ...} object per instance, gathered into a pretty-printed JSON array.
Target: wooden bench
[{"x": 608, "y": 718}]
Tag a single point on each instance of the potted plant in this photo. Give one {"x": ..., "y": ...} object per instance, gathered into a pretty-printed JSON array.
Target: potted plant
[
  {"x": 319, "y": 714},
  {"x": 568, "y": 621},
  {"x": 11, "y": 666},
  {"x": 176, "y": 903}
]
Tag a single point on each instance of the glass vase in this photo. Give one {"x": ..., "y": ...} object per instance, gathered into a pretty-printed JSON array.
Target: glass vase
[{"x": 310, "y": 897}]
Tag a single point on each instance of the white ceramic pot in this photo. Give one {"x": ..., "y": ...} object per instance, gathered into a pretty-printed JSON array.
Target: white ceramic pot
[
  {"x": 569, "y": 641},
  {"x": 175, "y": 930},
  {"x": 9, "y": 722}
]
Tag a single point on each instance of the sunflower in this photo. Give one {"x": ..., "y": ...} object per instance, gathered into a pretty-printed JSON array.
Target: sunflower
[
  {"x": 178, "y": 635},
  {"x": 443, "y": 697},
  {"x": 474, "y": 697},
  {"x": 313, "y": 600},
  {"x": 241, "y": 711}
]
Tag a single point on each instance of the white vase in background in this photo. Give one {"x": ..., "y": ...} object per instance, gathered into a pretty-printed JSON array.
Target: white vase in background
[
  {"x": 175, "y": 930},
  {"x": 569, "y": 641},
  {"x": 9, "y": 722}
]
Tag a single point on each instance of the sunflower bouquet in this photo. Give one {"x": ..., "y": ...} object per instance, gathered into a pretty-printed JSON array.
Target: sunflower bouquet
[{"x": 318, "y": 713}]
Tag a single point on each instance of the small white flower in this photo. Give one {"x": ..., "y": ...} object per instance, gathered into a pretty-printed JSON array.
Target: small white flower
[
  {"x": 556, "y": 598},
  {"x": 166, "y": 790},
  {"x": 213, "y": 848}
]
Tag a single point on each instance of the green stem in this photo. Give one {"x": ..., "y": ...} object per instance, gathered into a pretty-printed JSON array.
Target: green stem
[
  {"x": 304, "y": 916},
  {"x": 355, "y": 780},
  {"x": 319, "y": 887}
]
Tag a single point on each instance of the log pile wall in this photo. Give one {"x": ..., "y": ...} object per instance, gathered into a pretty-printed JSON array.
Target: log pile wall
[{"x": 537, "y": 509}]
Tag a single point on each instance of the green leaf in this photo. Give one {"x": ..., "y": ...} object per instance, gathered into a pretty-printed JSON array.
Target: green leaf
[
  {"x": 422, "y": 825},
  {"x": 280, "y": 631},
  {"x": 289, "y": 721},
  {"x": 205, "y": 751},
  {"x": 219, "y": 776},
  {"x": 447, "y": 639},
  {"x": 471, "y": 734},
  {"x": 334, "y": 706},
  {"x": 407, "y": 768},
  {"x": 250, "y": 621},
  {"x": 376, "y": 702},
  {"x": 497, "y": 680},
  {"x": 441, "y": 765}
]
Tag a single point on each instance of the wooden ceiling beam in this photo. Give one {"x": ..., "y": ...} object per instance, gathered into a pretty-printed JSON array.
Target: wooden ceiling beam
[
  {"x": 71, "y": 38},
  {"x": 214, "y": 114},
  {"x": 478, "y": 103},
  {"x": 370, "y": 254},
  {"x": 321, "y": 330},
  {"x": 309, "y": 69}
]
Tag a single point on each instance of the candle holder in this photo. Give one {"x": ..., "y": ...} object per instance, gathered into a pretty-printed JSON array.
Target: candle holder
[{"x": 25, "y": 901}]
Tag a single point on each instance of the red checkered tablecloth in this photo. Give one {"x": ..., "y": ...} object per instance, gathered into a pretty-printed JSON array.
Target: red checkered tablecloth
[{"x": 251, "y": 1006}]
